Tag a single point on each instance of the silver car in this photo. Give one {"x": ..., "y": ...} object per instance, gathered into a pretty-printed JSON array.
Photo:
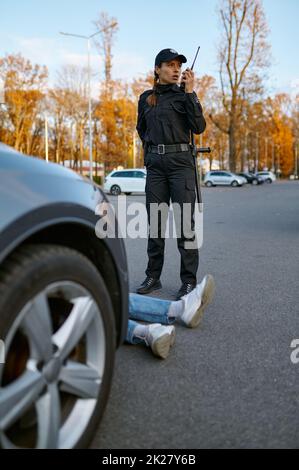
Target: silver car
[
  {"x": 268, "y": 176},
  {"x": 63, "y": 305},
  {"x": 219, "y": 177}
]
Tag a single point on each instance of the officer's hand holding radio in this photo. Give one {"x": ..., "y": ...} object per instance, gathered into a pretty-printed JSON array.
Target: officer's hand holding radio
[{"x": 188, "y": 80}]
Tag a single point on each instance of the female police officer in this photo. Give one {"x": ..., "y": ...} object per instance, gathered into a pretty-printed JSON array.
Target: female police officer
[{"x": 166, "y": 115}]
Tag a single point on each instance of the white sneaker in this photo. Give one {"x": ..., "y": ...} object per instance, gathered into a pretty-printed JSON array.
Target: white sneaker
[
  {"x": 197, "y": 300},
  {"x": 160, "y": 338}
]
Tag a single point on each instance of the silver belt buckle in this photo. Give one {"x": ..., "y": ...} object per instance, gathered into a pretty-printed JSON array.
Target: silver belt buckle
[{"x": 163, "y": 149}]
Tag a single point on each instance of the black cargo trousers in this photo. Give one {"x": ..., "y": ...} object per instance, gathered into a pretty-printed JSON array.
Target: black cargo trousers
[{"x": 171, "y": 176}]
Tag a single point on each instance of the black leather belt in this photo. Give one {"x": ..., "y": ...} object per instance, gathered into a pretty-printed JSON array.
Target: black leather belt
[{"x": 161, "y": 148}]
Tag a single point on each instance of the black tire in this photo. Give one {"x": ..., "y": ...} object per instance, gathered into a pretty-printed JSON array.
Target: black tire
[
  {"x": 254, "y": 182},
  {"x": 33, "y": 267},
  {"x": 115, "y": 190},
  {"x": 234, "y": 184},
  {"x": 268, "y": 180},
  {"x": 128, "y": 194},
  {"x": 209, "y": 184}
]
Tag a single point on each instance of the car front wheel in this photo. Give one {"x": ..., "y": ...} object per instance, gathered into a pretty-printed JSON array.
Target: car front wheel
[
  {"x": 234, "y": 183},
  {"x": 58, "y": 329},
  {"x": 268, "y": 180},
  {"x": 209, "y": 184}
]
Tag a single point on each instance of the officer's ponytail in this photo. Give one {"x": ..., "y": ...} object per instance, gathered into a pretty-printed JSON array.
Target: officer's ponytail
[{"x": 152, "y": 98}]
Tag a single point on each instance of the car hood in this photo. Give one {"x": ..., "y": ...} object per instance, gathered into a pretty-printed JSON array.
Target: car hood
[
  {"x": 14, "y": 161},
  {"x": 29, "y": 183}
]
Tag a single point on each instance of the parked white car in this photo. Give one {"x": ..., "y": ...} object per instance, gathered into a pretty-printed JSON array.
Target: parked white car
[
  {"x": 125, "y": 181},
  {"x": 267, "y": 176},
  {"x": 217, "y": 177}
]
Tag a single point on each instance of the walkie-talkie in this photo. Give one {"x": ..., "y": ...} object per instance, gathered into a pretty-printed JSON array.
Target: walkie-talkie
[{"x": 182, "y": 85}]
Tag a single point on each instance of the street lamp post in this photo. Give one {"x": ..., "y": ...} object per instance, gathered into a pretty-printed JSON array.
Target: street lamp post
[
  {"x": 134, "y": 149},
  {"x": 46, "y": 140},
  {"x": 296, "y": 160},
  {"x": 273, "y": 156},
  {"x": 88, "y": 38},
  {"x": 278, "y": 157},
  {"x": 255, "y": 158},
  {"x": 257, "y": 153},
  {"x": 245, "y": 153},
  {"x": 266, "y": 151}
]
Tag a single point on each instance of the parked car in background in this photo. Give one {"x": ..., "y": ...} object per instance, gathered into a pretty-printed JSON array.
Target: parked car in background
[
  {"x": 217, "y": 177},
  {"x": 267, "y": 176},
  {"x": 125, "y": 181},
  {"x": 251, "y": 178},
  {"x": 63, "y": 305}
]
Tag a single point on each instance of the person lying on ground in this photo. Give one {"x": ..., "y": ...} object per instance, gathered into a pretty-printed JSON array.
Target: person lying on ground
[{"x": 159, "y": 334}]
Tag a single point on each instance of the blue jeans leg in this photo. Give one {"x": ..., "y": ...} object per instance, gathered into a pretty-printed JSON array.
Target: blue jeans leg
[
  {"x": 149, "y": 309},
  {"x": 130, "y": 338}
]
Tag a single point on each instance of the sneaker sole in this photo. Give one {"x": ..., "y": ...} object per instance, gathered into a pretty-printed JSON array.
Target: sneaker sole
[
  {"x": 159, "y": 286},
  {"x": 162, "y": 346},
  {"x": 207, "y": 297},
  {"x": 172, "y": 336}
]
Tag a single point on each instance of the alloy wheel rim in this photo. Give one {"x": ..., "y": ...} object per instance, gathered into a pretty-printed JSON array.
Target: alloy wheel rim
[
  {"x": 115, "y": 191},
  {"x": 53, "y": 396}
]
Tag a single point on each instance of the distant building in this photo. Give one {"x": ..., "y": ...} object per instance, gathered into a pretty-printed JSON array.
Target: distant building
[{"x": 98, "y": 168}]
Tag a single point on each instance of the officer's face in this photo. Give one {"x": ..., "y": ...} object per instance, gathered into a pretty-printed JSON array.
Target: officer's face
[{"x": 169, "y": 72}]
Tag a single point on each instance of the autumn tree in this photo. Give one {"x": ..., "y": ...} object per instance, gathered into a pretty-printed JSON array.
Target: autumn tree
[
  {"x": 117, "y": 117},
  {"x": 62, "y": 144},
  {"x": 280, "y": 119},
  {"x": 24, "y": 90},
  {"x": 139, "y": 85},
  {"x": 243, "y": 54},
  {"x": 104, "y": 111},
  {"x": 209, "y": 96},
  {"x": 70, "y": 101},
  {"x": 295, "y": 131},
  {"x": 108, "y": 27}
]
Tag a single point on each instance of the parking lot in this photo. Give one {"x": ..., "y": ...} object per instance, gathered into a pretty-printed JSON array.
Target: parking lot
[{"x": 229, "y": 383}]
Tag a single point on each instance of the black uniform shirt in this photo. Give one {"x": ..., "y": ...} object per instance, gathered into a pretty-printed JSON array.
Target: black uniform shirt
[{"x": 172, "y": 119}]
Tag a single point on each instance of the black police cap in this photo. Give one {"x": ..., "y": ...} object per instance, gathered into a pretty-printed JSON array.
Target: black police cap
[{"x": 166, "y": 55}]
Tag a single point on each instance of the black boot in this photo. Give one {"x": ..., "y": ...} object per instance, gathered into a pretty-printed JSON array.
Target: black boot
[
  {"x": 148, "y": 285},
  {"x": 186, "y": 287}
]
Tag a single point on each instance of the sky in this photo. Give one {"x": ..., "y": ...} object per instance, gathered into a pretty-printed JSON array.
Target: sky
[{"x": 32, "y": 27}]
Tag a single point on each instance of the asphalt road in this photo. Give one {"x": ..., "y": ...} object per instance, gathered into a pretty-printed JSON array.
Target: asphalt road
[{"x": 229, "y": 383}]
